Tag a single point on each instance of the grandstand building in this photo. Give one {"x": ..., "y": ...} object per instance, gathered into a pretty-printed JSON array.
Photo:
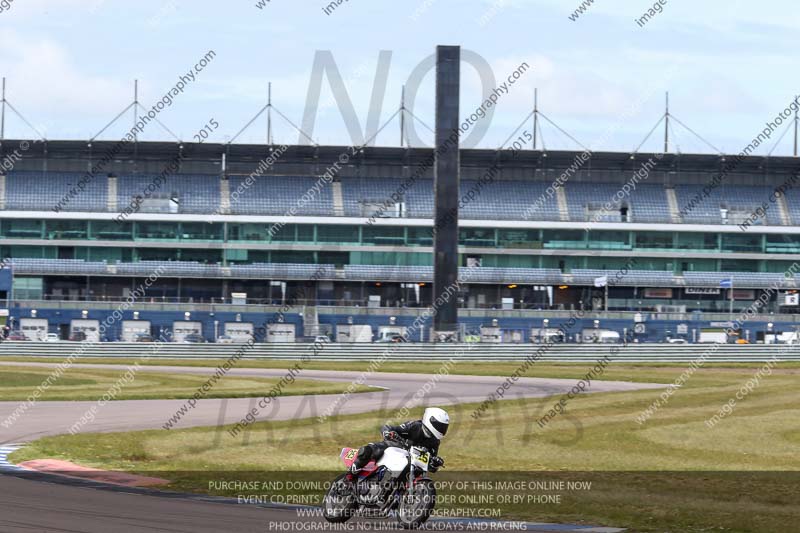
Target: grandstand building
[{"x": 338, "y": 232}]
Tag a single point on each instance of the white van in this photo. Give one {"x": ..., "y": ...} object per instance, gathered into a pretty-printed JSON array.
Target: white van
[{"x": 600, "y": 336}]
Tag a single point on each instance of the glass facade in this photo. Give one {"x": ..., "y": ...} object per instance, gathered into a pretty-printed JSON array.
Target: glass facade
[{"x": 563, "y": 249}]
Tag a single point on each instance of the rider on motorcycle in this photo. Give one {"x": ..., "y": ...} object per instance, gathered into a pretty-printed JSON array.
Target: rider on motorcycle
[{"x": 427, "y": 433}]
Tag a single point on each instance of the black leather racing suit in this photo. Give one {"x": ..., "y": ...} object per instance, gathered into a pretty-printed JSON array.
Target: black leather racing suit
[{"x": 411, "y": 431}]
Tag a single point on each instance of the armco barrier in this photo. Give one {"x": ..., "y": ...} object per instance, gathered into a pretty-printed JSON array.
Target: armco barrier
[{"x": 633, "y": 353}]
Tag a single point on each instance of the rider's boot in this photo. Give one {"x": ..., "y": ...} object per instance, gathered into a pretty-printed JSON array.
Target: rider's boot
[{"x": 352, "y": 473}]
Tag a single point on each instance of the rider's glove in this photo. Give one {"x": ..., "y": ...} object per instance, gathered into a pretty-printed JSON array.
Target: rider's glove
[
  {"x": 390, "y": 435},
  {"x": 436, "y": 462}
]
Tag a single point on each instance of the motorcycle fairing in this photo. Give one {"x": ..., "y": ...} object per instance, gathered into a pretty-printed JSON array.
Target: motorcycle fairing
[
  {"x": 348, "y": 456},
  {"x": 395, "y": 460}
]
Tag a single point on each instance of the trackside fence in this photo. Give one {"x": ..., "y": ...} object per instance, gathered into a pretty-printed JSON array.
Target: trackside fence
[{"x": 633, "y": 353}]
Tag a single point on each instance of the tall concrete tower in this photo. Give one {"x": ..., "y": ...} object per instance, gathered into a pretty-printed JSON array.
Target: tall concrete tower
[{"x": 447, "y": 177}]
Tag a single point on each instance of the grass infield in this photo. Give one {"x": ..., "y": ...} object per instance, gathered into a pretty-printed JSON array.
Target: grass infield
[
  {"x": 652, "y": 372},
  {"x": 80, "y": 383}
]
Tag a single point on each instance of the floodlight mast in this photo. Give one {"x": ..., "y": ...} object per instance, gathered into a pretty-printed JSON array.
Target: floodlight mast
[
  {"x": 5, "y": 103},
  {"x": 3, "y": 113},
  {"x": 666, "y": 123},
  {"x": 535, "y": 117},
  {"x": 795, "y": 128},
  {"x": 402, "y": 116}
]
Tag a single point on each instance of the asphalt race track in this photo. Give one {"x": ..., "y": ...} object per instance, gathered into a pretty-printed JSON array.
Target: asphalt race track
[{"x": 37, "y": 503}]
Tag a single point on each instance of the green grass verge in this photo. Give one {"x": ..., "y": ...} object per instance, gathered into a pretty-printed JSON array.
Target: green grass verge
[
  {"x": 671, "y": 473},
  {"x": 652, "y": 372},
  {"x": 80, "y": 383}
]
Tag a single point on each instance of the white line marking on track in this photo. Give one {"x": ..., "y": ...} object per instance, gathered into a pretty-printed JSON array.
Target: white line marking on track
[{"x": 5, "y": 451}]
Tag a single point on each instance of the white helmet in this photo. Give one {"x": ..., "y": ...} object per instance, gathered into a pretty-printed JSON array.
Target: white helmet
[{"x": 435, "y": 422}]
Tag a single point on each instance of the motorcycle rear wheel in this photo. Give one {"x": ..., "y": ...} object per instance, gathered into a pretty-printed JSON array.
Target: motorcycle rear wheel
[
  {"x": 339, "y": 503},
  {"x": 415, "y": 508}
]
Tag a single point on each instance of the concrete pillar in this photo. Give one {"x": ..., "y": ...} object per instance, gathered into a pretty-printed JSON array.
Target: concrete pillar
[{"x": 447, "y": 168}]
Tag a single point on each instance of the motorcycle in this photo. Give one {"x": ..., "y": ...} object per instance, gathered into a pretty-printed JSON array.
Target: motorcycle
[{"x": 397, "y": 485}]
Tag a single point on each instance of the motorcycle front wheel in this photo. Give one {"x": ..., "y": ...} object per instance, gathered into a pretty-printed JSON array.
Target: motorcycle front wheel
[
  {"x": 416, "y": 507},
  {"x": 339, "y": 503}
]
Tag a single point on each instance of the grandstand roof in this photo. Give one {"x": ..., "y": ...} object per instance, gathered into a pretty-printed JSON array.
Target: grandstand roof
[{"x": 242, "y": 158}]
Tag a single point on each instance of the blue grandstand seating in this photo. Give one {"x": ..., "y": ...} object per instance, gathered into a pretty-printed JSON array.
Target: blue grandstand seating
[
  {"x": 793, "y": 204},
  {"x": 509, "y": 200},
  {"x": 501, "y": 199},
  {"x": 39, "y": 191},
  {"x": 736, "y": 199},
  {"x": 640, "y": 278},
  {"x": 276, "y": 195},
  {"x": 169, "y": 268},
  {"x": 543, "y": 276},
  {"x": 282, "y": 271},
  {"x": 388, "y": 273},
  {"x": 58, "y": 266},
  {"x": 580, "y": 198},
  {"x": 467, "y": 275},
  {"x": 587, "y": 202},
  {"x": 740, "y": 279},
  {"x": 195, "y": 193},
  {"x": 174, "y": 269},
  {"x": 513, "y": 198},
  {"x": 361, "y": 195},
  {"x": 512, "y": 275},
  {"x": 649, "y": 204}
]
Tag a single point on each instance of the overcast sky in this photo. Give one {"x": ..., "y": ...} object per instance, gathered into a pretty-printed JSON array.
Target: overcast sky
[{"x": 729, "y": 65}]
